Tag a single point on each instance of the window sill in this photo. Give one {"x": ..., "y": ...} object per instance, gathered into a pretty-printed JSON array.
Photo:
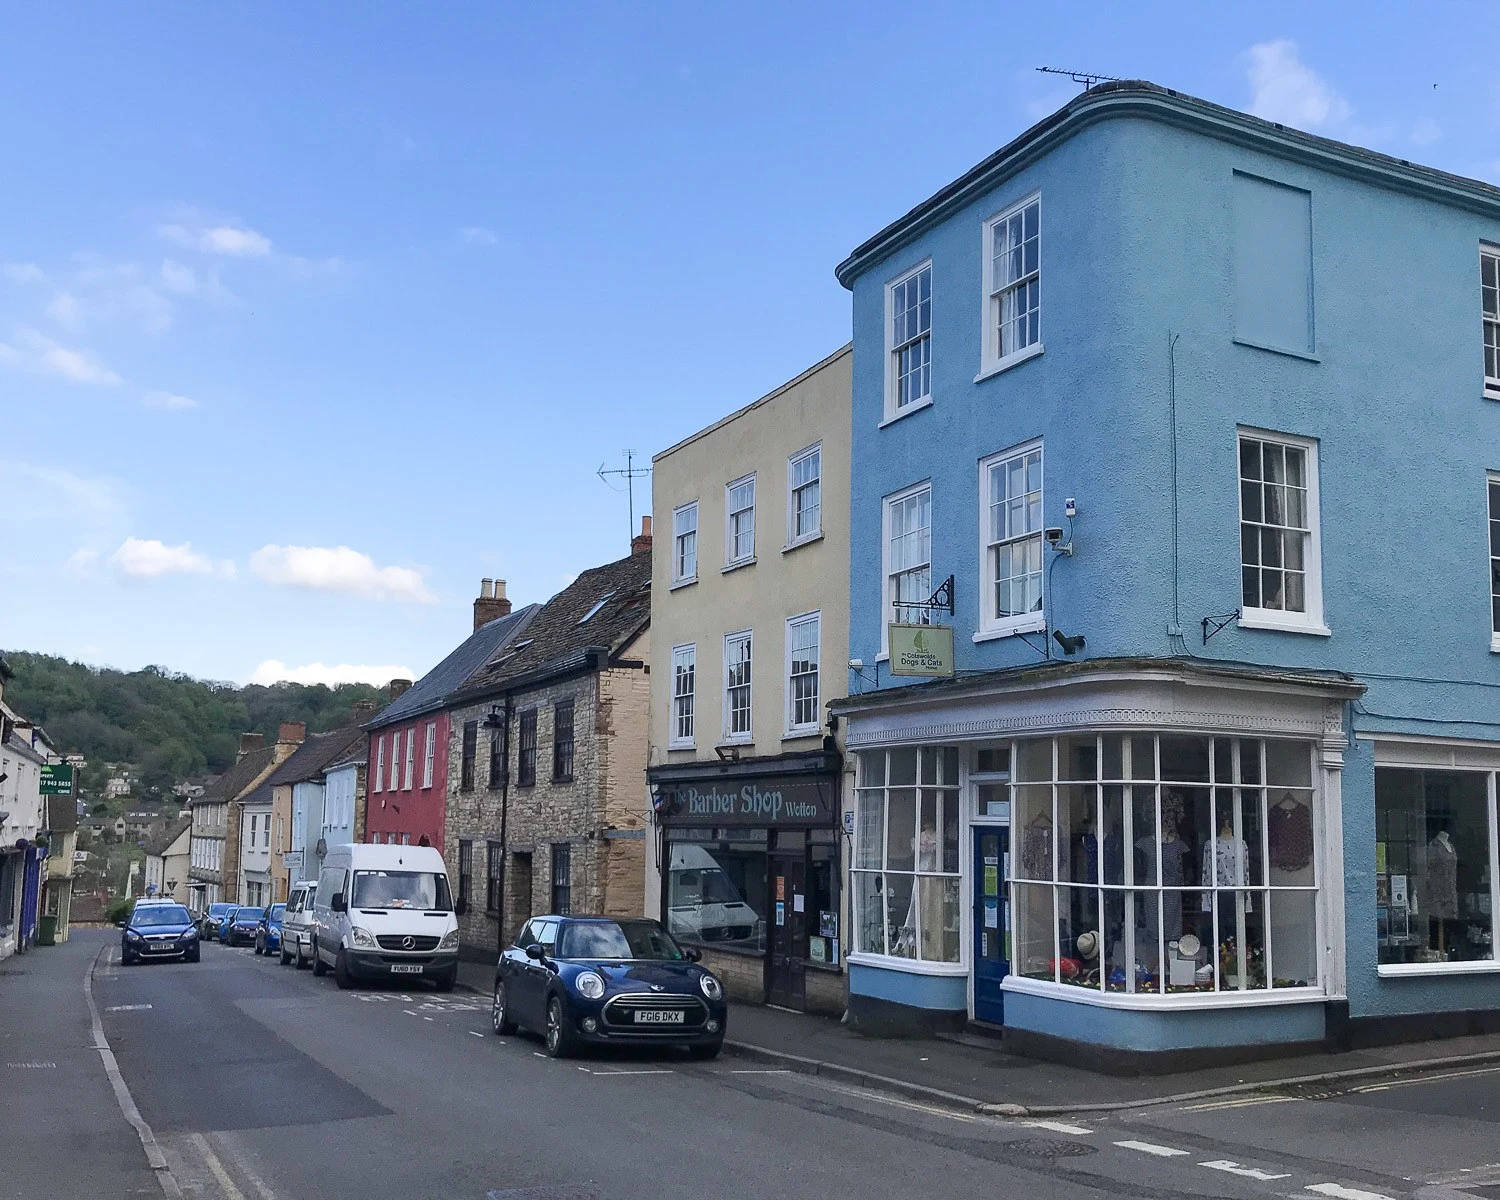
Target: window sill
[
  {"x": 803, "y": 541},
  {"x": 739, "y": 744},
  {"x": 1030, "y": 625},
  {"x": 797, "y": 735},
  {"x": 910, "y": 966},
  {"x": 735, "y": 566},
  {"x": 1491, "y": 390},
  {"x": 682, "y": 583},
  {"x": 990, "y": 370},
  {"x": 1432, "y": 970},
  {"x": 1147, "y": 1002},
  {"x": 1495, "y": 637},
  {"x": 915, "y": 407},
  {"x": 1261, "y": 618},
  {"x": 1302, "y": 354},
  {"x": 682, "y": 746}
]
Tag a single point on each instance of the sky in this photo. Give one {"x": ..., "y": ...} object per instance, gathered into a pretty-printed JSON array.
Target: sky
[{"x": 313, "y": 316}]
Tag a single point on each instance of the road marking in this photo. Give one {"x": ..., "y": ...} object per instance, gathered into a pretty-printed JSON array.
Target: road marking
[
  {"x": 216, "y": 1166},
  {"x": 1218, "y": 1105},
  {"x": 1339, "y": 1192},
  {"x": 597, "y": 1074},
  {"x": 1234, "y": 1168},
  {"x": 475, "y": 1033},
  {"x": 1395, "y": 1083},
  {"x": 154, "y": 1157},
  {"x": 239, "y": 1158},
  {"x": 1058, "y": 1127},
  {"x": 1152, "y": 1148},
  {"x": 766, "y": 1071},
  {"x": 426, "y": 1018},
  {"x": 127, "y": 1008},
  {"x": 537, "y": 1054},
  {"x": 32, "y": 1066},
  {"x": 408, "y": 1012}
]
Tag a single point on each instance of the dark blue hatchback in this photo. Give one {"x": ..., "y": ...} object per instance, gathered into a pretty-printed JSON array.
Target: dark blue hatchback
[
  {"x": 605, "y": 981},
  {"x": 159, "y": 931}
]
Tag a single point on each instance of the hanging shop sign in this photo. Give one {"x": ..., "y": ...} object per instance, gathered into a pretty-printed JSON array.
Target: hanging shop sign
[
  {"x": 57, "y": 779},
  {"x": 770, "y": 801},
  {"x": 925, "y": 650}
]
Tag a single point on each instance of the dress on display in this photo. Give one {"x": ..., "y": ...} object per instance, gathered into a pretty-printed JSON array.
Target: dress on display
[{"x": 1440, "y": 882}]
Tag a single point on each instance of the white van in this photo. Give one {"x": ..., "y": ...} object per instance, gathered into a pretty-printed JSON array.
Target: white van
[
  {"x": 384, "y": 912},
  {"x": 297, "y": 924},
  {"x": 703, "y": 905}
]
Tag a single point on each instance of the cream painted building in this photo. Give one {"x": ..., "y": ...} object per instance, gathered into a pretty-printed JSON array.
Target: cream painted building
[{"x": 750, "y": 636}]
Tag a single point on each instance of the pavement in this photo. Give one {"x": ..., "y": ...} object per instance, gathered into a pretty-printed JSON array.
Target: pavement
[
  {"x": 973, "y": 1072},
  {"x": 260, "y": 1082}
]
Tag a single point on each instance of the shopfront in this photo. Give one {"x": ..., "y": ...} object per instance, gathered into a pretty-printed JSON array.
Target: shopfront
[
  {"x": 751, "y": 869},
  {"x": 1131, "y": 855}
]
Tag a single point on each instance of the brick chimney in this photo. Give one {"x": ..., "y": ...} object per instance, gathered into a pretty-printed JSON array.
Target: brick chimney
[
  {"x": 363, "y": 709},
  {"x": 492, "y": 603},
  {"x": 642, "y": 540},
  {"x": 291, "y": 733},
  {"x": 397, "y": 686},
  {"x": 249, "y": 744}
]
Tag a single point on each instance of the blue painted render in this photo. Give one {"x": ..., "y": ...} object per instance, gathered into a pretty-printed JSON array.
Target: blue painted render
[
  {"x": 1139, "y": 249},
  {"x": 1181, "y": 1029},
  {"x": 943, "y": 993}
]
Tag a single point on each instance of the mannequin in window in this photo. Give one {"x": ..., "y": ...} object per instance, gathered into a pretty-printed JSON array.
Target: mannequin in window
[
  {"x": 1440, "y": 887},
  {"x": 925, "y": 852},
  {"x": 1225, "y": 862}
]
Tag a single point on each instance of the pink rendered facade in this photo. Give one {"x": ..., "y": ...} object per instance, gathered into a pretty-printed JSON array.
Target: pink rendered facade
[{"x": 406, "y": 798}]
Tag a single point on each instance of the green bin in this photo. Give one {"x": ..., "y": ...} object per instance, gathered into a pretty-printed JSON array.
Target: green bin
[{"x": 46, "y": 931}]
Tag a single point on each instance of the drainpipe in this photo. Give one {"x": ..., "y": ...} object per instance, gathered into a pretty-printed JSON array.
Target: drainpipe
[{"x": 504, "y": 732}]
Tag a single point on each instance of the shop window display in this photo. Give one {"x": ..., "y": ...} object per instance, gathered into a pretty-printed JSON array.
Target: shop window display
[
  {"x": 906, "y": 854},
  {"x": 1434, "y": 897},
  {"x": 717, "y": 888},
  {"x": 1165, "y": 864}
]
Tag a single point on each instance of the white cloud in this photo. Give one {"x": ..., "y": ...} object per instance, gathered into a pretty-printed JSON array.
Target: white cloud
[
  {"x": 168, "y": 400},
  {"x": 338, "y": 569},
  {"x": 33, "y": 351},
  {"x": 148, "y": 558},
  {"x": 1284, "y": 89},
  {"x": 275, "y": 671},
  {"x": 231, "y": 240},
  {"x": 478, "y": 235}
]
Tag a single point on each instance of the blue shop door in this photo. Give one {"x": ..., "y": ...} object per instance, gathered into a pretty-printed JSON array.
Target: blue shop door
[{"x": 991, "y": 921}]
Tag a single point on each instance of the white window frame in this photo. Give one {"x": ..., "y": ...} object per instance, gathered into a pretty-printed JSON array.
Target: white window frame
[
  {"x": 991, "y": 360},
  {"x": 887, "y": 506},
  {"x": 793, "y": 538},
  {"x": 991, "y": 624},
  {"x": 1492, "y": 480},
  {"x": 686, "y": 654},
  {"x": 1489, "y": 312},
  {"x": 680, "y": 576},
  {"x": 793, "y": 624},
  {"x": 748, "y": 734},
  {"x": 892, "y": 350},
  {"x": 411, "y": 759},
  {"x": 380, "y": 763},
  {"x": 395, "y": 779},
  {"x": 1310, "y": 620},
  {"x": 428, "y": 754},
  {"x": 731, "y": 560}
]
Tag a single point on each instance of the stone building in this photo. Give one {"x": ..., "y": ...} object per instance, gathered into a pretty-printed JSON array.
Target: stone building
[{"x": 547, "y": 807}]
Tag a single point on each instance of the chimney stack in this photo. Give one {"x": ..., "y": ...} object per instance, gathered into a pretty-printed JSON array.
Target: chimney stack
[
  {"x": 249, "y": 744},
  {"x": 397, "y": 686},
  {"x": 492, "y": 604},
  {"x": 642, "y": 540},
  {"x": 363, "y": 709},
  {"x": 291, "y": 733}
]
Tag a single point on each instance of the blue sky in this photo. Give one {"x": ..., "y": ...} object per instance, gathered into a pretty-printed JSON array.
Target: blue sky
[{"x": 312, "y": 316}]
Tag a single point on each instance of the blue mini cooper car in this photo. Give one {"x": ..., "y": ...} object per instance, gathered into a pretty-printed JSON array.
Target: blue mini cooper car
[{"x": 600, "y": 981}]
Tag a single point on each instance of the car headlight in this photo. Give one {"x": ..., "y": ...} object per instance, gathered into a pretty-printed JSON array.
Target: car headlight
[
  {"x": 362, "y": 938},
  {"x": 710, "y": 986},
  {"x": 189, "y": 935},
  {"x": 450, "y": 940},
  {"x": 132, "y": 936},
  {"x": 590, "y": 985}
]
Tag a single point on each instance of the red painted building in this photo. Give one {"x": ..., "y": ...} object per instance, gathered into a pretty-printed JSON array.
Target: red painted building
[{"x": 406, "y": 798}]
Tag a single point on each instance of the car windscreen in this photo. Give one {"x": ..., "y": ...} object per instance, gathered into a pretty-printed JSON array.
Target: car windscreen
[
  {"x": 161, "y": 914},
  {"x": 218, "y": 910},
  {"x": 400, "y": 889},
  {"x": 276, "y": 911},
  {"x": 619, "y": 940},
  {"x": 244, "y": 915}
]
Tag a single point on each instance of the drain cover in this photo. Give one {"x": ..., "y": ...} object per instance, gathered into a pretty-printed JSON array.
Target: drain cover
[{"x": 1051, "y": 1148}]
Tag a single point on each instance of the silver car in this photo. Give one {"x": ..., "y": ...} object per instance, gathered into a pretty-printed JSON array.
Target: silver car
[{"x": 296, "y": 924}]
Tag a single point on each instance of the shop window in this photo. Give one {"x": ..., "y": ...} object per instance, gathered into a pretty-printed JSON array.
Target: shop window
[
  {"x": 717, "y": 887},
  {"x": 1434, "y": 867},
  {"x": 906, "y": 861},
  {"x": 1164, "y": 864}
]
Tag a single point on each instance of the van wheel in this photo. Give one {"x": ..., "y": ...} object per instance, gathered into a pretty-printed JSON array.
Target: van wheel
[
  {"x": 285, "y": 957},
  {"x": 317, "y": 960},
  {"x": 298, "y": 960},
  {"x": 341, "y": 974}
]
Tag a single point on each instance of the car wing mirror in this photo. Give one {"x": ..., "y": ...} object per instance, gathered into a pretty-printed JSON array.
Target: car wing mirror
[
  {"x": 692, "y": 955},
  {"x": 119, "y": 924},
  {"x": 535, "y": 952},
  {"x": 337, "y": 903}
]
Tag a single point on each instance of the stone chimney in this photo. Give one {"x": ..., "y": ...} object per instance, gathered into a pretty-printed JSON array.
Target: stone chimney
[
  {"x": 492, "y": 603},
  {"x": 642, "y": 540},
  {"x": 363, "y": 709},
  {"x": 291, "y": 733},
  {"x": 397, "y": 686},
  {"x": 249, "y": 744}
]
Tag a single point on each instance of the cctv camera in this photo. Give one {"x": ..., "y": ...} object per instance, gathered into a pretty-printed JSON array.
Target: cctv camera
[
  {"x": 856, "y": 664},
  {"x": 1054, "y": 535}
]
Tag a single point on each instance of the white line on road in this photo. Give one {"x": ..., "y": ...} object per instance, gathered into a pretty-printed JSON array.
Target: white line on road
[
  {"x": 765, "y": 1071},
  {"x": 1234, "y": 1168},
  {"x": 597, "y": 1074},
  {"x": 1218, "y": 1105},
  {"x": 1152, "y": 1148},
  {"x": 127, "y": 1008},
  {"x": 475, "y": 1033},
  {"x": 1058, "y": 1127},
  {"x": 238, "y": 1156},
  {"x": 426, "y": 1018},
  {"x": 408, "y": 1012},
  {"x": 1339, "y": 1192},
  {"x": 1395, "y": 1083},
  {"x": 214, "y": 1165},
  {"x": 537, "y": 1054}
]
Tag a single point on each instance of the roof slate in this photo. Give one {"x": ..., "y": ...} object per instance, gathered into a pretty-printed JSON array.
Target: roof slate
[
  {"x": 240, "y": 776},
  {"x": 556, "y": 639},
  {"x": 310, "y": 758},
  {"x": 163, "y": 840},
  {"x": 434, "y": 689}
]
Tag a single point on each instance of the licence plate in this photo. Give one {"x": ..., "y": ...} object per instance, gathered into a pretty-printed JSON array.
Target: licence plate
[
  {"x": 406, "y": 968},
  {"x": 659, "y": 1016}
]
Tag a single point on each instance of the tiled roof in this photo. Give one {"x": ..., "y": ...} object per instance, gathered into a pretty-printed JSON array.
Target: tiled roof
[
  {"x": 240, "y": 776},
  {"x": 604, "y": 608},
  {"x": 320, "y": 749},
  {"x": 163, "y": 840},
  {"x": 261, "y": 794},
  {"x": 434, "y": 689}
]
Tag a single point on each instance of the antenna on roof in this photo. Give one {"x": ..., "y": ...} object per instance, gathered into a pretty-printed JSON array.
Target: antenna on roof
[
  {"x": 629, "y": 473},
  {"x": 1084, "y": 77}
]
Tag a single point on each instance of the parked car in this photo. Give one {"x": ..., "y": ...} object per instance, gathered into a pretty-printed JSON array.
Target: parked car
[
  {"x": 602, "y": 981},
  {"x": 213, "y": 919},
  {"x": 241, "y": 926},
  {"x": 296, "y": 925},
  {"x": 268, "y": 932},
  {"x": 385, "y": 911},
  {"x": 158, "y": 931}
]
